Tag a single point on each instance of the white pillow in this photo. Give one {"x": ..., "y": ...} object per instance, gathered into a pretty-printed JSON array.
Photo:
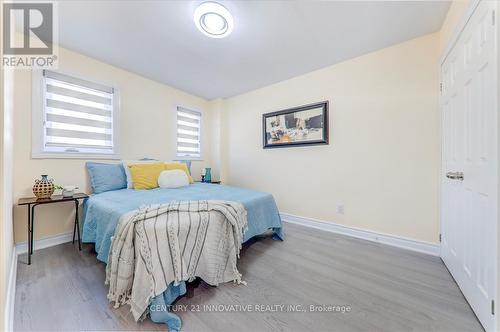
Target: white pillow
[
  {"x": 175, "y": 178},
  {"x": 125, "y": 163}
]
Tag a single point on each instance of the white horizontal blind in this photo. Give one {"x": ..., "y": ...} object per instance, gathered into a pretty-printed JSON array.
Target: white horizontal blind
[
  {"x": 78, "y": 115},
  {"x": 188, "y": 133}
]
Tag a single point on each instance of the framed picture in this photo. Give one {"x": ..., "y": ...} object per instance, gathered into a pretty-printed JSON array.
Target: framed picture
[{"x": 304, "y": 125}]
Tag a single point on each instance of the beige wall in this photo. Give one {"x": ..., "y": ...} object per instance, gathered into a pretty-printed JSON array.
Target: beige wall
[
  {"x": 147, "y": 127},
  {"x": 382, "y": 161},
  {"x": 455, "y": 13},
  {"x": 216, "y": 108}
]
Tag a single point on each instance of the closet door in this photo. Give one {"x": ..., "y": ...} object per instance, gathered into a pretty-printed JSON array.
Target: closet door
[{"x": 469, "y": 198}]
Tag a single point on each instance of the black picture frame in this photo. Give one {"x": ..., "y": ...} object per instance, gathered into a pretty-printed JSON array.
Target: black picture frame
[{"x": 324, "y": 119}]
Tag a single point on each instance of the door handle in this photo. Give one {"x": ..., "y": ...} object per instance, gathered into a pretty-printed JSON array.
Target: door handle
[{"x": 455, "y": 175}]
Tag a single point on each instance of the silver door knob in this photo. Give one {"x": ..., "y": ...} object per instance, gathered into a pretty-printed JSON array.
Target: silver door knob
[{"x": 455, "y": 175}]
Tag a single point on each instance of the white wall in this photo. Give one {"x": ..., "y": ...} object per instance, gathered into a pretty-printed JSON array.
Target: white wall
[
  {"x": 147, "y": 128},
  {"x": 382, "y": 161},
  {"x": 498, "y": 120},
  {"x": 6, "y": 231},
  {"x": 6, "y": 164}
]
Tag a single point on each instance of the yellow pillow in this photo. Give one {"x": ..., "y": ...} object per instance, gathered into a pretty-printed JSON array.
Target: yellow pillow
[
  {"x": 181, "y": 166},
  {"x": 145, "y": 176}
]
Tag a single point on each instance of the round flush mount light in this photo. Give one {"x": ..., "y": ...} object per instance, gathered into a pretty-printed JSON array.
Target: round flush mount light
[{"x": 213, "y": 20}]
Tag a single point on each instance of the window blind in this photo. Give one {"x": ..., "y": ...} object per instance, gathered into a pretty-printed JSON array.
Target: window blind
[
  {"x": 78, "y": 115},
  {"x": 188, "y": 133}
]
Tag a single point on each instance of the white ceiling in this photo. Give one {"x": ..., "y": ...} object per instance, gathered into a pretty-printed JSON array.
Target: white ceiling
[{"x": 272, "y": 40}]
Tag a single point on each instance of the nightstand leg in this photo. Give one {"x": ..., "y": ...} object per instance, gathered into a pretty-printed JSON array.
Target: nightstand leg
[
  {"x": 29, "y": 234},
  {"x": 32, "y": 227},
  {"x": 74, "y": 231},
  {"x": 77, "y": 225}
]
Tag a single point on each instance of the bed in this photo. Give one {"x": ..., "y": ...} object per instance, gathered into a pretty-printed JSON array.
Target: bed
[{"x": 102, "y": 212}]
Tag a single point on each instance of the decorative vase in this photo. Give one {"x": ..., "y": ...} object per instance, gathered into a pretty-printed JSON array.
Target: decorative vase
[
  {"x": 43, "y": 188},
  {"x": 208, "y": 175}
]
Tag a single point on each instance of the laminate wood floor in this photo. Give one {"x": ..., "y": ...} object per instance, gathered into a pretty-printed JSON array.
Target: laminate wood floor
[{"x": 386, "y": 289}]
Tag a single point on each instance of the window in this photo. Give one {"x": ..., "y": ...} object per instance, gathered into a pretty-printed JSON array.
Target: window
[
  {"x": 188, "y": 133},
  {"x": 77, "y": 118}
]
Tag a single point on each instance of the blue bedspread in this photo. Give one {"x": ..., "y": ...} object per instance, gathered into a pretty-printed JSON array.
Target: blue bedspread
[{"x": 102, "y": 212}]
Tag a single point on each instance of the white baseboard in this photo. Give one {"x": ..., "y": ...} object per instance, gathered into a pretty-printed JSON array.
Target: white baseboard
[
  {"x": 392, "y": 240},
  {"x": 11, "y": 293},
  {"x": 49, "y": 241}
]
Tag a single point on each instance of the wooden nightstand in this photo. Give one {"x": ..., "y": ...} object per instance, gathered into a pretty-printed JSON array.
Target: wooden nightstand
[{"x": 31, "y": 202}]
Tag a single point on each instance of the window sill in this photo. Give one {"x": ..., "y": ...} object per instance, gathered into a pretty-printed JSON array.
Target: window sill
[
  {"x": 188, "y": 158},
  {"x": 53, "y": 155}
]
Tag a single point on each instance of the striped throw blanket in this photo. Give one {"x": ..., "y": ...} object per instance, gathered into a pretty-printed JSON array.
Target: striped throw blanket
[{"x": 160, "y": 244}]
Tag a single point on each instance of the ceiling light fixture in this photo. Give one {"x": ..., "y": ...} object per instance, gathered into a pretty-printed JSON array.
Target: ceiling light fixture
[{"x": 213, "y": 20}]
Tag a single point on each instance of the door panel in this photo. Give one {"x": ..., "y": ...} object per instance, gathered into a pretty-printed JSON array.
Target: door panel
[{"x": 469, "y": 215}]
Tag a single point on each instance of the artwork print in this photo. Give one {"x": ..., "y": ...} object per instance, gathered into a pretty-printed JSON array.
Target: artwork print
[{"x": 304, "y": 125}]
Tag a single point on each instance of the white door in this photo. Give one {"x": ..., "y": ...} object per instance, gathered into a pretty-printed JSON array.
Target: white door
[{"x": 469, "y": 205}]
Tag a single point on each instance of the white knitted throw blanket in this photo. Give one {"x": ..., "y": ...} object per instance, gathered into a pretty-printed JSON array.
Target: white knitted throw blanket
[{"x": 179, "y": 241}]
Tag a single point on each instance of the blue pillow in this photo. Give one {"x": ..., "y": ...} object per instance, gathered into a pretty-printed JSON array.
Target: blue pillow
[{"x": 106, "y": 177}]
